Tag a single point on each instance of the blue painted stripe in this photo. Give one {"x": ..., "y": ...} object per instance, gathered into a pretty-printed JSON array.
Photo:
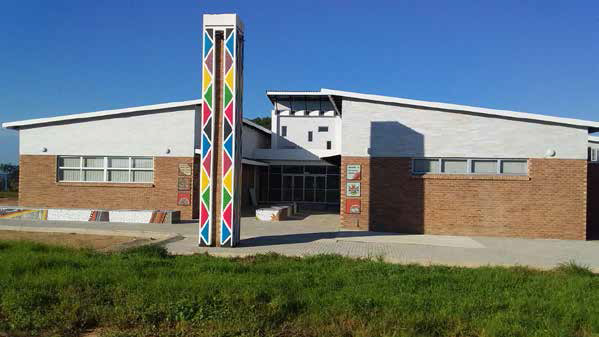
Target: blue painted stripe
[
  {"x": 207, "y": 44},
  {"x": 229, "y": 145},
  {"x": 205, "y": 146},
  {"x": 225, "y": 233},
  {"x": 231, "y": 44},
  {"x": 204, "y": 232}
]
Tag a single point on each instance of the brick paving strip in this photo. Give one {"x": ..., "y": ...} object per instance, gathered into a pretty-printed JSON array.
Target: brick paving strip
[{"x": 320, "y": 234}]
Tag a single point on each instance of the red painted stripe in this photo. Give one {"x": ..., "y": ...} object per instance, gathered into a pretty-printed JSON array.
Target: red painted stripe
[
  {"x": 227, "y": 216},
  {"x": 207, "y": 162},
  {"x": 206, "y": 113}
]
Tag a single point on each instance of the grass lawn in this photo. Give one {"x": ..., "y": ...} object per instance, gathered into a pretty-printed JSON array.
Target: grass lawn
[{"x": 55, "y": 291}]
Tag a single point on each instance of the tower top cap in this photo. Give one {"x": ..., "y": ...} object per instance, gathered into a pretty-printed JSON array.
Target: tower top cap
[{"x": 222, "y": 20}]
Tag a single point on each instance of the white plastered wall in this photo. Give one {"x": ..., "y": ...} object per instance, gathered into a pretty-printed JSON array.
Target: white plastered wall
[
  {"x": 135, "y": 134},
  {"x": 391, "y": 130},
  {"x": 252, "y": 139},
  {"x": 298, "y": 128}
]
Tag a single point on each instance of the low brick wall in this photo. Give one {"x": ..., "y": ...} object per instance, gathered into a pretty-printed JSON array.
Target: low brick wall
[
  {"x": 549, "y": 203},
  {"x": 38, "y": 187}
]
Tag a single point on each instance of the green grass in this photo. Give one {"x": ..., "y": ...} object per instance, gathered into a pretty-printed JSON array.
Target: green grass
[
  {"x": 52, "y": 291},
  {"x": 9, "y": 194}
]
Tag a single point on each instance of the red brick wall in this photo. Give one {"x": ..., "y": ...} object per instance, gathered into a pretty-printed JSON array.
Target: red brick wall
[
  {"x": 38, "y": 187},
  {"x": 593, "y": 202},
  {"x": 550, "y": 203}
]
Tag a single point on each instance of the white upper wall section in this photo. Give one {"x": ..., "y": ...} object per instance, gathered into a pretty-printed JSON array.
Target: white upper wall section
[
  {"x": 137, "y": 131},
  {"x": 134, "y": 134},
  {"x": 591, "y": 125},
  {"x": 253, "y": 137},
  {"x": 396, "y": 130},
  {"x": 298, "y": 128}
]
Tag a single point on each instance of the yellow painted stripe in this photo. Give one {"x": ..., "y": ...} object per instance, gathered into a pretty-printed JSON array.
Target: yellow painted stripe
[
  {"x": 16, "y": 214},
  {"x": 229, "y": 77},
  {"x": 204, "y": 180},
  {"x": 207, "y": 79},
  {"x": 227, "y": 180}
]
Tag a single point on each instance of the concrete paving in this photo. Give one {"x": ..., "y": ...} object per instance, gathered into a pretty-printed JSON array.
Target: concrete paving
[{"x": 319, "y": 234}]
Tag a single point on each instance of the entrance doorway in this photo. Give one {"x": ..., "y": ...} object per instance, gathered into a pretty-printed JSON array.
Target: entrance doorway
[
  {"x": 316, "y": 185},
  {"x": 293, "y": 187},
  {"x": 301, "y": 187}
]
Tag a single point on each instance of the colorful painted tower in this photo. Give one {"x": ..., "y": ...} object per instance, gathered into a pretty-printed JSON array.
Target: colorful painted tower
[{"x": 222, "y": 93}]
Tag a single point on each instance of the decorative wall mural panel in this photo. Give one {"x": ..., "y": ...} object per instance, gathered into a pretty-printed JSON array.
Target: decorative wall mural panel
[
  {"x": 207, "y": 137},
  {"x": 229, "y": 142}
]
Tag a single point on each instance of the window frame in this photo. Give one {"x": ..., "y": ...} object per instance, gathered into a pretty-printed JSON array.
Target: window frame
[
  {"x": 470, "y": 165},
  {"x": 105, "y": 169}
]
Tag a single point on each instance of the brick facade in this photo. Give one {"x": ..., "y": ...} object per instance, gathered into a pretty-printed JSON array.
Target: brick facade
[
  {"x": 549, "y": 203},
  {"x": 593, "y": 202},
  {"x": 38, "y": 187}
]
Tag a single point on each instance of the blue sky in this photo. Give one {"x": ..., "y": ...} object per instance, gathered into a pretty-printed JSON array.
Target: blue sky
[{"x": 60, "y": 57}]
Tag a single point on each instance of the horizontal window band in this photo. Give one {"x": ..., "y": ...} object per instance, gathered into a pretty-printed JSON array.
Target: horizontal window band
[
  {"x": 445, "y": 176},
  {"x": 104, "y": 184}
]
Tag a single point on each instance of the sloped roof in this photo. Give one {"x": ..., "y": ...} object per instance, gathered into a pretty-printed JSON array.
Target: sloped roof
[
  {"x": 591, "y": 125},
  {"x": 102, "y": 113},
  {"x": 114, "y": 112}
]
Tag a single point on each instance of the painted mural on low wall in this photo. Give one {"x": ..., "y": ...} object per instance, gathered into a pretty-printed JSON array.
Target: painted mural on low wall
[{"x": 124, "y": 216}]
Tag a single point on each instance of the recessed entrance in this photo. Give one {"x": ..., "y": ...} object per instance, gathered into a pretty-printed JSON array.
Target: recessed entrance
[{"x": 310, "y": 185}]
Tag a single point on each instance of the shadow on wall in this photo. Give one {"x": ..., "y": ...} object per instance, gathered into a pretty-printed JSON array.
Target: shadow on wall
[{"x": 396, "y": 199}]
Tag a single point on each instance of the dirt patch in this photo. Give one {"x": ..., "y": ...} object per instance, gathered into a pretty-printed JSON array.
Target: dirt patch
[
  {"x": 93, "y": 333},
  {"x": 97, "y": 242}
]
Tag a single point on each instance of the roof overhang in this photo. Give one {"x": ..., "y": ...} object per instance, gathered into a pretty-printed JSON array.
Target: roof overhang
[
  {"x": 333, "y": 160},
  {"x": 99, "y": 114},
  {"x": 256, "y": 126},
  {"x": 594, "y": 139},
  {"x": 280, "y": 95}
]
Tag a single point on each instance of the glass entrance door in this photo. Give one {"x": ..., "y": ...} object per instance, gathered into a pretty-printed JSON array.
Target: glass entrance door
[
  {"x": 314, "y": 188},
  {"x": 293, "y": 187}
]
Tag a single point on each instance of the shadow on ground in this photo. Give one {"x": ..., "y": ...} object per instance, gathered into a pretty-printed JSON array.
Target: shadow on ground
[{"x": 273, "y": 240}]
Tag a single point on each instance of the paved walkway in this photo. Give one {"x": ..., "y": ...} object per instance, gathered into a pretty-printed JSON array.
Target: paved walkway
[{"x": 319, "y": 234}]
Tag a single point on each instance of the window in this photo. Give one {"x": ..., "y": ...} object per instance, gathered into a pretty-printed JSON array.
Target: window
[
  {"x": 484, "y": 166},
  {"x": 323, "y": 129},
  {"x": 593, "y": 154},
  {"x": 426, "y": 166},
  {"x": 470, "y": 166},
  {"x": 455, "y": 166},
  {"x": 284, "y": 131},
  {"x": 329, "y": 144},
  {"x": 106, "y": 169},
  {"x": 514, "y": 167},
  {"x": 309, "y": 136}
]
